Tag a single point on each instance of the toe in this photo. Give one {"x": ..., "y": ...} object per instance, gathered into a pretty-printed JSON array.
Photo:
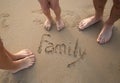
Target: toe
[
  {"x": 102, "y": 41},
  {"x": 80, "y": 25},
  {"x": 60, "y": 25},
  {"x": 28, "y": 51},
  {"x": 47, "y": 25},
  {"x": 32, "y": 57},
  {"x": 83, "y": 25},
  {"x": 99, "y": 39}
]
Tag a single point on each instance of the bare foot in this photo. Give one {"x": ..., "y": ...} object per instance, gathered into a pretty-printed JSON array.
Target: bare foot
[
  {"x": 60, "y": 25},
  {"x": 19, "y": 55},
  {"x": 105, "y": 34},
  {"x": 85, "y": 23},
  {"x": 23, "y": 63},
  {"x": 48, "y": 25}
]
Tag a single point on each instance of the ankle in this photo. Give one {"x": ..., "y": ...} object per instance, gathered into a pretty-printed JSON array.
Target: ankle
[
  {"x": 98, "y": 17},
  {"x": 58, "y": 18},
  {"x": 109, "y": 22},
  {"x": 49, "y": 19},
  {"x": 108, "y": 26}
]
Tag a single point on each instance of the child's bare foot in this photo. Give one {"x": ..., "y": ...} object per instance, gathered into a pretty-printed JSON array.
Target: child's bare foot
[
  {"x": 48, "y": 25},
  {"x": 105, "y": 34},
  {"x": 85, "y": 23},
  {"x": 60, "y": 25},
  {"x": 23, "y": 63},
  {"x": 19, "y": 55}
]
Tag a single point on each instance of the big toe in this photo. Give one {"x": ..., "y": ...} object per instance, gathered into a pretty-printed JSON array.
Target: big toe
[
  {"x": 99, "y": 39},
  {"x": 32, "y": 58},
  {"x": 81, "y": 25},
  {"x": 47, "y": 25},
  {"x": 102, "y": 39}
]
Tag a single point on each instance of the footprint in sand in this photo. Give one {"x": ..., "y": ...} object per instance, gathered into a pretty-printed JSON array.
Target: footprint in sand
[
  {"x": 3, "y": 20},
  {"x": 3, "y": 23},
  {"x": 37, "y": 15},
  {"x": 4, "y": 15},
  {"x": 81, "y": 58},
  {"x": 38, "y": 21}
]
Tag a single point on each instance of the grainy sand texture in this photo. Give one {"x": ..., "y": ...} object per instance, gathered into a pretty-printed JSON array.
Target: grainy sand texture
[{"x": 69, "y": 56}]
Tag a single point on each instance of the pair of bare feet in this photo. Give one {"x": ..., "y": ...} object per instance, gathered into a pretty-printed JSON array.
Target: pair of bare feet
[
  {"x": 59, "y": 24},
  {"x": 106, "y": 32},
  {"x": 21, "y": 60}
]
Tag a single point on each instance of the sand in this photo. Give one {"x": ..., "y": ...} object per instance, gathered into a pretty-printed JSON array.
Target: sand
[{"x": 69, "y": 56}]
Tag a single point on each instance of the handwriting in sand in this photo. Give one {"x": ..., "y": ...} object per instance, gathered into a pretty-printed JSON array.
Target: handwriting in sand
[
  {"x": 3, "y": 19},
  {"x": 61, "y": 48}
]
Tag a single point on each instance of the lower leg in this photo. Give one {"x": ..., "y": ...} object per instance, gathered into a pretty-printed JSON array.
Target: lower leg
[
  {"x": 115, "y": 13},
  {"x": 19, "y": 55},
  {"x": 57, "y": 10},
  {"x": 45, "y": 8},
  {"x": 45, "y": 5},
  {"x": 106, "y": 32},
  {"x": 99, "y": 8},
  {"x": 5, "y": 61},
  {"x": 47, "y": 14}
]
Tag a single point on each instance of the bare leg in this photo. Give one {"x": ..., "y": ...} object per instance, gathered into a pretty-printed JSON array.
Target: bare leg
[
  {"x": 7, "y": 63},
  {"x": 45, "y": 5},
  {"x": 57, "y": 10},
  {"x": 106, "y": 32},
  {"x": 99, "y": 9},
  {"x": 19, "y": 55}
]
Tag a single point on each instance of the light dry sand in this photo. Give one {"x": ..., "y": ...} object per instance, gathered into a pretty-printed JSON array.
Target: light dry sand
[{"x": 80, "y": 60}]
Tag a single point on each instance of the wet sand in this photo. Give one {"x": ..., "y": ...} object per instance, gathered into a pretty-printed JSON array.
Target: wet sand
[{"x": 69, "y": 56}]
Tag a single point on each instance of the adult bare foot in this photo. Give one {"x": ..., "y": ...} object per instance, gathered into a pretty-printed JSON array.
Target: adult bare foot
[
  {"x": 60, "y": 25},
  {"x": 48, "y": 25},
  {"x": 19, "y": 55},
  {"x": 85, "y": 23},
  {"x": 23, "y": 63},
  {"x": 105, "y": 34}
]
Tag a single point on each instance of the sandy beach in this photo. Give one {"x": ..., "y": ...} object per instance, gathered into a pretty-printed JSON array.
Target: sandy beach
[{"x": 69, "y": 56}]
